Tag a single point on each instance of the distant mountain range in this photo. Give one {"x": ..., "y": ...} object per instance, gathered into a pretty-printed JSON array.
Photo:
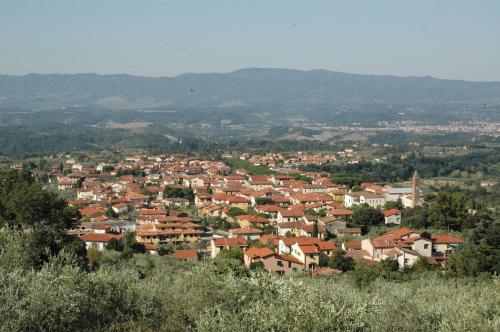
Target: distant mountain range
[{"x": 263, "y": 89}]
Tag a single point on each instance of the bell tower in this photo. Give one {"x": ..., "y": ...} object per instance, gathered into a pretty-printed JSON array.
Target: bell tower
[{"x": 414, "y": 189}]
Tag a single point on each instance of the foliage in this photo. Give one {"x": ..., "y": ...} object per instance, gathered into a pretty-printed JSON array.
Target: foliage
[
  {"x": 302, "y": 178},
  {"x": 248, "y": 166},
  {"x": 367, "y": 216},
  {"x": 263, "y": 201},
  {"x": 41, "y": 218},
  {"x": 396, "y": 169},
  {"x": 394, "y": 205},
  {"x": 160, "y": 293},
  {"x": 232, "y": 253},
  {"x": 257, "y": 265},
  {"x": 176, "y": 192},
  {"x": 111, "y": 213},
  {"x": 235, "y": 211},
  {"x": 114, "y": 244},
  {"x": 448, "y": 210},
  {"x": 481, "y": 252},
  {"x": 338, "y": 261},
  {"x": 217, "y": 223}
]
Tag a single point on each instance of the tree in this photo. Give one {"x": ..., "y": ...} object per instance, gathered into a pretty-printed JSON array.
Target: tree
[
  {"x": 338, "y": 261},
  {"x": 257, "y": 265},
  {"x": 232, "y": 253},
  {"x": 111, "y": 213},
  {"x": 448, "y": 210},
  {"x": 422, "y": 265},
  {"x": 41, "y": 215},
  {"x": 394, "y": 205},
  {"x": 263, "y": 201},
  {"x": 465, "y": 262},
  {"x": 387, "y": 268},
  {"x": 362, "y": 275},
  {"x": 114, "y": 244},
  {"x": 166, "y": 249},
  {"x": 315, "y": 231},
  {"x": 175, "y": 192},
  {"x": 25, "y": 204},
  {"x": 235, "y": 211},
  {"x": 131, "y": 246},
  {"x": 94, "y": 257},
  {"x": 367, "y": 216}
]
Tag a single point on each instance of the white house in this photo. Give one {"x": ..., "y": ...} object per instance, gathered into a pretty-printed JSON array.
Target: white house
[
  {"x": 363, "y": 197},
  {"x": 392, "y": 216}
]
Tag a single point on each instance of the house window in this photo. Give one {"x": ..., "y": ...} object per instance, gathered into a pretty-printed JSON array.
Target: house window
[
  {"x": 426, "y": 246},
  {"x": 295, "y": 269},
  {"x": 289, "y": 264},
  {"x": 279, "y": 263},
  {"x": 312, "y": 256}
]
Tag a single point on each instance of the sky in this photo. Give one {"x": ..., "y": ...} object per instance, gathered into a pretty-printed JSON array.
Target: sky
[{"x": 455, "y": 39}]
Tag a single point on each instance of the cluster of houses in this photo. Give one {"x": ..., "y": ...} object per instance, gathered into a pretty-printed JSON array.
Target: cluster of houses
[{"x": 282, "y": 221}]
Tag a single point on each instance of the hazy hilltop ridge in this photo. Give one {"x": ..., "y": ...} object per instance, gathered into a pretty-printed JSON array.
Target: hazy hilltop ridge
[{"x": 246, "y": 87}]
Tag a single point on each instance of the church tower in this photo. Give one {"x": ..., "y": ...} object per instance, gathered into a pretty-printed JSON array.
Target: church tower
[{"x": 414, "y": 189}]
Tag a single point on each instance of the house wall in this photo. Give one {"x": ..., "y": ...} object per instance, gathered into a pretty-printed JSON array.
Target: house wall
[
  {"x": 367, "y": 246},
  {"x": 406, "y": 260},
  {"x": 442, "y": 248},
  {"x": 394, "y": 219},
  {"x": 423, "y": 247}
]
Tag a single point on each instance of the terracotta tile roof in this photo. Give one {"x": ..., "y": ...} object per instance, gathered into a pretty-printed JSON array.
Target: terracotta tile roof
[
  {"x": 296, "y": 213},
  {"x": 231, "y": 242},
  {"x": 102, "y": 227},
  {"x": 237, "y": 199},
  {"x": 327, "y": 245},
  {"x": 99, "y": 237},
  {"x": 446, "y": 239},
  {"x": 391, "y": 212},
  {"x": 153, "y": 212},
  {"x": 258, "y": 252},
  {"x": 265, "y": 238},
  {"x": 245, "y": 231},
  {"x": 288, "y": 258},
  {"x": 288, "y": 241},
  {"x": 309, "y": 249},
  {"x": 187, "y": 254},
  {"x": 352, "y": 230},
  {"x": 352, "y": 245},
  {"x": 339, "y": 212}
]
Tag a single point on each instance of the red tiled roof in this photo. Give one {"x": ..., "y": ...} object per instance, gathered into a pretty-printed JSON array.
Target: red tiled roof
[
  {"x": 446, "y": 239},
  {"x": 288, "y": 241},
  {"x": 231, "y": 242},
  {"x": 241, "y": 231},
  {"x": 99, "y": 237},
  {"x": 327, "y": 245},
  {"x": 309, "y": 249},
  {"x": 391, "y": 212},
  {"x": 352, "y": 245},
  {"x": 339, "y": 212},
  {"x": 237, "y": 199},
  {"x": 258, "y": 252},
  {"x": 187, "y": 254}
]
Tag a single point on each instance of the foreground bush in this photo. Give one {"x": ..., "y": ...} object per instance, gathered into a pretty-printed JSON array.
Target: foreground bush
[{"x": 162, "y": 294}]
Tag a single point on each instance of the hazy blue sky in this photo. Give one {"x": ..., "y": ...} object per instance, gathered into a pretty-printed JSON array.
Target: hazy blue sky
[{"x": 441, "y": 38}]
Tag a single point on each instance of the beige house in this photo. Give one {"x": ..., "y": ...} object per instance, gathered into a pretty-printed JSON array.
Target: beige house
[
  {"x": 444, "y": 244},
  {"x": 307, "y": 255},
  {"x": 217, "y": 245},
  {"x": 273, "y": 262}
]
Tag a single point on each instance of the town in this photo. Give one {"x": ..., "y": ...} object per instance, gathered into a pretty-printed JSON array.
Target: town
[{"x": 283, "y": 220}]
